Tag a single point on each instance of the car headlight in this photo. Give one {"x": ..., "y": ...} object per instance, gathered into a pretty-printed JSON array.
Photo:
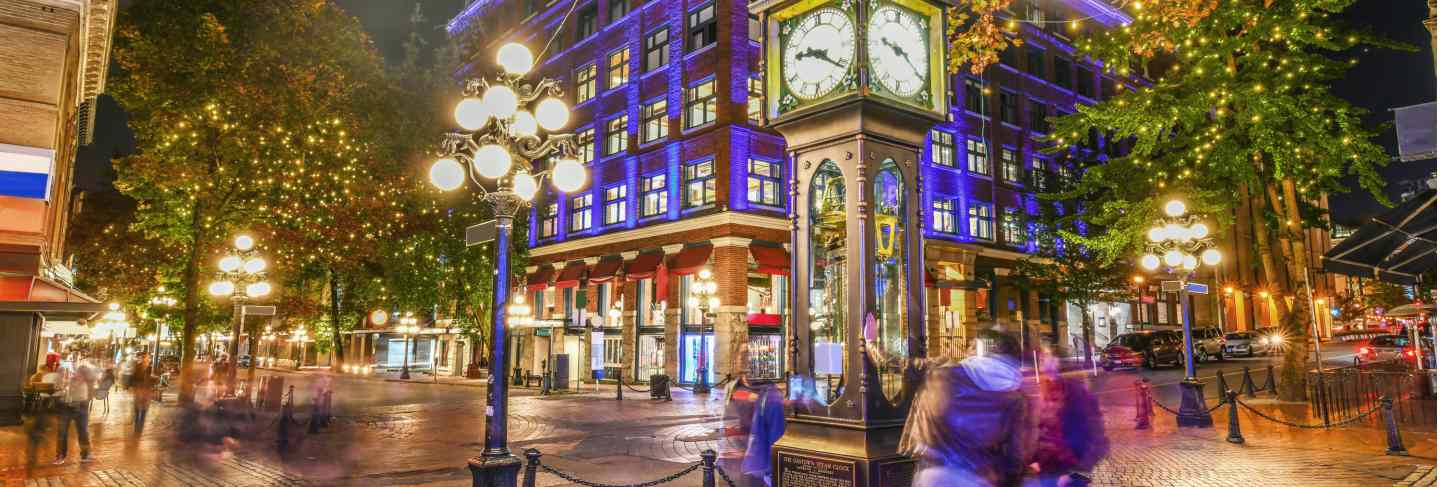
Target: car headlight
[{"x": 1264, "y": 340}]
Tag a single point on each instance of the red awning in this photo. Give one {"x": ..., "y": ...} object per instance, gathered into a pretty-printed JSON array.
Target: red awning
[
  {"x": 690, "y": 260},
  {"x": 606, "y": 270},
  {"x": 770, "y": 260},
  {"x": 39, "y": 289},
  {"x": 644, "y": 265},
  {"x": 571, "y": 275},
  {"x": 540, "y": 279}
]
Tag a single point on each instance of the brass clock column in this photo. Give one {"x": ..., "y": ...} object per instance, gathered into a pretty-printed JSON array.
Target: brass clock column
[{"x": 854, "y": 86}]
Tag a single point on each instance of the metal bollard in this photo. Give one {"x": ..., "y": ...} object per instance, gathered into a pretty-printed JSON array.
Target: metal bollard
[
  {"x": 329, "y": 413},
  {"x": 1235, "y": 436},
  {"x": 532, "y": 463},
  {"x": 287, "y": 414},
  {"x": 1247, "y": 385},
  {"x": 1270, "y": 385},
  {"x": 707, "y": 460},
  {"x": 314, "y": 415},
  {"x": 1220, "y": 385},
  {"x": 619, "y": 395},
  {"x": 1142, "y": 404},
  {"x": 1392, "y": 432}
]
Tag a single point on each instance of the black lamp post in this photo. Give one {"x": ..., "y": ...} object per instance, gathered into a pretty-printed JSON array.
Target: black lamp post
[
  {"x": 241, "y": 277},
  {"x": 407, "y": 327},
  {"x": 703, "y": 296}
]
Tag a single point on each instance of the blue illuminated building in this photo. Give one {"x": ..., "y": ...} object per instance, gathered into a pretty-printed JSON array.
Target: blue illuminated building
[{"x": 667, "y": 95}]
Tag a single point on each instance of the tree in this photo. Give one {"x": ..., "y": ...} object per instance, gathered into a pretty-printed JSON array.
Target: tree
[{"x": 209, "y": 85}]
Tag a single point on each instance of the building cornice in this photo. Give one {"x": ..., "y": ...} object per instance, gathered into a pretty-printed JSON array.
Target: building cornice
[{"x": 724, "y": 218}]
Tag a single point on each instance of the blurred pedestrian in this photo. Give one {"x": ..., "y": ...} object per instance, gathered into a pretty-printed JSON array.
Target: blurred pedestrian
[
  {"x": 767, "y": 424},
  {"x": 77, "y": 389},
  {"x": 1070, "y": 433},
  {"x": 42, "y": 388},
  {"x": 967, "y": 426},
  {"x": 142, "y": 387}
]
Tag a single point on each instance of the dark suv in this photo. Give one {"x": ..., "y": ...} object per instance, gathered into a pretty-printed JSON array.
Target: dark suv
[{"x": 1142, "y": 349}]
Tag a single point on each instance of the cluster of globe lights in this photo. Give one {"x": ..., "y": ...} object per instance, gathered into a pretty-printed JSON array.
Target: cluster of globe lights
[
  {"x": 519, "y": 311},
  {"x": 702, "y": 293},
  {"x": 498, "y": 118},
  {"x": 1174, "y": 242},
  {"x": 237, "y": 268},
  {"x": 112, "y": 324}
]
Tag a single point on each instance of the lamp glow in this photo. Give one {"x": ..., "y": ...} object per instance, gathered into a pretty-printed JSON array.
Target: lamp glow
[
  {"x": 524, "y": 124},
  {"x": 1199, "y": 231},
  {"x": 552, "y": 114},
  {"x": 1210, "y": 257},
  {"x": 1150, "y": 262},
  {"x": 500, "y": 101},
  {"x": 221, "y": 288},
  {"x": 1174, "y": 231},
  {"x": 1174, "y": 258},
  {"x": 524, "y": 185},
  {"x": 254, "y": 265},
  {"x": 447, "y": 174},
  {"x": 492, "y": 161},
  {"x": 568, "y": 175},
  {"x": 471, "y": 114},
  {"x": 514, "y": 58},
  {"x": 230, "y": 263},
  {"x": 1190, "y": 262},
  {"x": 1156, "y": 234},
  {"x": 1175, "y": 208},
  {"x": 242, "y": 243},
  {"x": 257, "y": 289}
]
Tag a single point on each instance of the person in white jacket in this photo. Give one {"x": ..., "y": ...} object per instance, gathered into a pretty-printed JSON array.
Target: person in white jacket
[{"x": 76, "y": 389}]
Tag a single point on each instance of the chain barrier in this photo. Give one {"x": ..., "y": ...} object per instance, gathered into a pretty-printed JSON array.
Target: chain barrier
[
  {"x": 1177, "y": 413},
  {"x": 724, "y": 476},
  {"x": 632, "y": 389},
  {"x": 1292, "y": 424},
  {"x": 663, "y": 480}
]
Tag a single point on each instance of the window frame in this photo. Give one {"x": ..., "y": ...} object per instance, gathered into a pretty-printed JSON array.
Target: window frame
[
  {"x": 755, "y": 99},
  {"x": 943, "y": 215},
  {"x": 1039, "y": 122},
  {"x": 981, "y": 224},
  {"x": 616, "y": 204},
  {"x": 617, "y": 141},
  {"x": 707, "y": 29},
  {"x": 582, "y": 214},
  {"x": 654, "y": 118},
  {"x": 1032, "y": 65},
  {"x": 617, "y": 68},
  {"x": 614, "y": 16},
  {"x": 549, "y": 213},
  {"x": 657, "y": 53},
  {"x": 690, "y": 176},
  {"x": 942, "y": 148},
  {"x": 1010, "y": 169},
  {"x": 585, "y": 145},
  {"x": 776, "y": 181},
  {"x": 1012, "y": 227},
  {"x": 587, "y": 22},
  {"x": 659, "y": 190},
  {"x": 982, "y": 167},
  {"x": 975, "y": 95},
  {"x": 707, "y": 105},
  {"x": 586, "y": 88},
  {"x": 1010, "y": 107}
]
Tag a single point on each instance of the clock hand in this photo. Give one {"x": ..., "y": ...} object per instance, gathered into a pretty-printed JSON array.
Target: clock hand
[
  {"x": 821, "y": 54},
  {"x": 903, "y": 55}
]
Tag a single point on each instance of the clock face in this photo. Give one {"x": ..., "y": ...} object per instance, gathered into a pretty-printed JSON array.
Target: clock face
[
  {"x": 899, "y": 53},
  {"x": 819, "y": 53}
]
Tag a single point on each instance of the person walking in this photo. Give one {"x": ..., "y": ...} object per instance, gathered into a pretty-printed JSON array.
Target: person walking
[
  {"x": 1070, "y": 433},
  {"x": 142, "y": 387},
  {"x": 77, "y": 390},
  {"x": 968, "y": 425}
]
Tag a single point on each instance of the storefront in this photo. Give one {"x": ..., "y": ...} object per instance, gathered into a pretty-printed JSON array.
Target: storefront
[
  {"x": 767, "y": 312},
  {"x": 697, "y": 332},
  {"x": 647, "y": 275}
]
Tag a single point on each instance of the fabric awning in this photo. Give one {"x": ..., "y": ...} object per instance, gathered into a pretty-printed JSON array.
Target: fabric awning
[
  {"x": 606, "y": 270},
  {"x": 30, "y": 293},
  {"x": 571, "y": 275},
  {"x": 1398, "y": 246},
  {"x": 540, "y": 279},
  {"x": 770, "y": 259},
  {"x": 643, "y": 266},
  {"x": 690, "y": 260}
]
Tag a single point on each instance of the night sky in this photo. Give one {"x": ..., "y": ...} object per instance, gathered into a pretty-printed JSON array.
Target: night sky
[{"x": 1383, "y": 79}]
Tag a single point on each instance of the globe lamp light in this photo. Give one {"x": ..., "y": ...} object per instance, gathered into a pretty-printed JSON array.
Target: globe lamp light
[
  {"x": 221, "y": 288},
  {"x": 1150, "y": 262},
  {"x": 1190, "y": 262},
  {"x": 524, "y": 125},
  {"x": 447, "y": 174},
  {"x": 552, "y": 114},
  {"x": 257, "y": 289},
  {"x": 501, "y": 101},
  {"x": 230, "y": 263},
  {"x": 492, "y": 161},
  {"x": 1199, "y": 231},
  {"x": 1210, "y": 257},
  {"x": 1174, "y": 258},
  {"x": 515, "y": 59},
  {"x": 470, "y": 113},
  {"x": 524, "y": 185},
  {"x": 254, "y": 265},
  {"x": 1175, "y": 208},
  {"x": 242, "y": 243},
  {"x": 568, "y": 175}
]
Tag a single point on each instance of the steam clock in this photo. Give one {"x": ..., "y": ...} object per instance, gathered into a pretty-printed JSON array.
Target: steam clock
[{"x": 854, "y": 86}]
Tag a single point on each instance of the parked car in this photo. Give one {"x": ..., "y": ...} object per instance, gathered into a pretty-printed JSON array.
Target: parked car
[
  {"x": 1246, "y": 343},
  {"x": 1209, "y": 343},
  {"x": 1385, "y": 348},
  {"x": 1146, "y": 349},
  {"x": 245, "y": 361}
]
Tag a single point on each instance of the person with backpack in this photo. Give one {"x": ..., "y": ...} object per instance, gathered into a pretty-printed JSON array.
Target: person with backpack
[
  {"x": 77, "y": 388},
  {"x": 1069, "y": 431}
]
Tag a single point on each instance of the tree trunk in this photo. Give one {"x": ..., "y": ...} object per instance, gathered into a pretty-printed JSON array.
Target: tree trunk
[
  {"x": 190, "y": 281},
  {"x": 1087, "y": 333},
  {"x": 1294, "y": 304},
  {"x": 337, "y": 349}
]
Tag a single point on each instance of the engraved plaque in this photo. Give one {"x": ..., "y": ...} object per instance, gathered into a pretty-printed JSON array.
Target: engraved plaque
[
  {"x": 806, "y": 471},
  {"x": 899, "y": 473}
]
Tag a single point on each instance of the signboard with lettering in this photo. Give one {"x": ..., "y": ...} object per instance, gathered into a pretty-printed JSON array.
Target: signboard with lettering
[{"x": 795, "y": 470}]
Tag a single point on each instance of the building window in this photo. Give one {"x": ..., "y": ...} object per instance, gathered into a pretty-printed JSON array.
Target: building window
[
  {"x": 654, "y": 195},
  {"x": 549, "y": 216},
  {"x": 1085, "y": 82},
  {"x": 655, "y": 122},
  {"x": 942, "y": 148},
  {"x": 615, "y": 209},
  {"x": 1039, "y": 117},
  {"x": 700, "y": 104},
  {"x": 755, "y": 104},
  {"x": 1064, "y": 73},
  {"x": 657, "y": 49},
  {"x": 584, "y": 83},
  {"x": 942, "y": 215},
  {"x": 756, "y": 30},
  {"x": 619, "y": 68},
  {"x": 585, "y": 22},
  {"x": 982, "y": 220},
  {"x": 585, "y": 145},
  {"x": 701, "y": 26},
  {"x": 580, "y": 218},
  {"x": 1107, "y": 88},
  {"x": 618, "y": 9},
  {"x": 700, "y": 184},
  {"x": 1008, "y": 57},
  {"x": 763, "y": 186},
  {"x": 1035, "y": 62},
  {"x": 1009, "y": 165},
  {"x": 977, "y": 156},
  {"x": 1009, "y": 107},
  {"x": 974, "y": 96},
  {"x": 1039, "y": 172},
  {"x": 1011, "y": 228},
  {"x": 617, "y": 135}
]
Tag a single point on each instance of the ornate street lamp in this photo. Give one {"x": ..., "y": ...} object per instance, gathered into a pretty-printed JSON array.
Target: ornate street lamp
[
  {"x": 703, "y": 296},
  {"x": 298, "y": 335},
  {"x": 505, "y": 119},
  {"x": 1179, "y": 243},
  {"x": 407, "y": 326},
  {"x": 163, "y": 301},
  {"x": 242, "y": 277}
]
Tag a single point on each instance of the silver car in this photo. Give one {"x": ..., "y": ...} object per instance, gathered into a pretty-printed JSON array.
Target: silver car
[{"x": 1246, "y": 343}]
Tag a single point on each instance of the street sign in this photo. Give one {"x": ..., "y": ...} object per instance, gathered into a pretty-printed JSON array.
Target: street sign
[
  {"x": 1197, "y": 288},
  {"x": 1170, "y": 286},
  {"x": 479, "y": 233},
  {"x": 258, "y": 310}
]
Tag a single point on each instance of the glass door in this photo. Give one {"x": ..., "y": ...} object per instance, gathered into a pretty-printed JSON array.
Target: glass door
[{"x": 692, "y": 354}]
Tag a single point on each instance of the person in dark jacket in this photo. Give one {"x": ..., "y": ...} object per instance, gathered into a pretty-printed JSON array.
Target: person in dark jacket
[
  {"x": 1070, "y": 433},
  {"x": 967, "y": 426},
  {"x": 142, "y": 387}
]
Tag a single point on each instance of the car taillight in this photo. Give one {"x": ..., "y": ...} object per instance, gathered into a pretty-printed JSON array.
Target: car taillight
[
  {"x": 1364, "y": 350},
  {"x": 1410, "y": 353}
]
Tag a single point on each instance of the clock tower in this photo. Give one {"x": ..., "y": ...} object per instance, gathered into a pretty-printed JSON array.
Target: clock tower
[{"x": 854, "y": 86}]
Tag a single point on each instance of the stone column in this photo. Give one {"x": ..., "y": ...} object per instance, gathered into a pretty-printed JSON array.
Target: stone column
[{"x": 730, "y": 264}]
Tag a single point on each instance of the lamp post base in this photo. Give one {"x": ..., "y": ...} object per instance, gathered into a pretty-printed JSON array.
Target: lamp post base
[
  {"x": 495, "y": 471},
  {"x": 702, "y": 386},
  {"x": 1192, "y": 405}
]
